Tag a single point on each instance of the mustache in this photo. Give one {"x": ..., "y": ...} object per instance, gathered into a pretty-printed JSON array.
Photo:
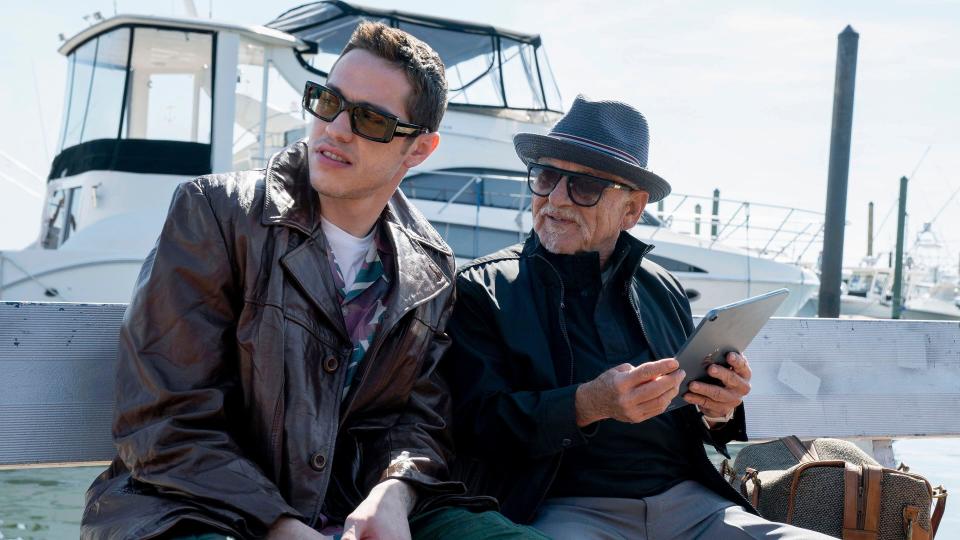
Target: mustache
[{"x": 559, "y": 213}]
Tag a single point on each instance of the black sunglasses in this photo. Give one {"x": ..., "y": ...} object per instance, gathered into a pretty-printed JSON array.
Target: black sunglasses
[
  {"x": 366, "y": 121},
  {"x": 583, "y": 189}
]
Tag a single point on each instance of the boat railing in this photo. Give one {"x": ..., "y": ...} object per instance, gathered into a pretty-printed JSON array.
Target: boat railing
[{"x": 779, "y": 232}]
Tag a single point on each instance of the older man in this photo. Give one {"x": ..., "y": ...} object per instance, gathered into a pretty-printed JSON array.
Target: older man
[{"x": 561, "y": 366}]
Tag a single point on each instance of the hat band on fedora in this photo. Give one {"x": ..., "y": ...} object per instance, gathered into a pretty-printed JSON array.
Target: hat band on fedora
[{"x": 615, "y": 152}]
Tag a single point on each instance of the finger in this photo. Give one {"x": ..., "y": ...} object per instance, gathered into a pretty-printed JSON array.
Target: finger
[
  {"x": 714, "y": 392},
  {"x": 730, "y": 379},
  {"x": 651, "y": 370},
  {"x": 652, "y": 390},
  {"x": 623, "y": 367},
  {"x": 652, "y": 407},
  {"x": 706, "y": 404},
  {"x": 740, "y": 365}
]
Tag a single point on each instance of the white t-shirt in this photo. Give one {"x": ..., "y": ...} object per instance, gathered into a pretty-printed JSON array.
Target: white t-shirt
[{"x": 348, "y": 250}]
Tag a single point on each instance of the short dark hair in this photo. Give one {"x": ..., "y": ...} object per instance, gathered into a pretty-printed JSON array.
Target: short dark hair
[{"x": 419, "y": 61}]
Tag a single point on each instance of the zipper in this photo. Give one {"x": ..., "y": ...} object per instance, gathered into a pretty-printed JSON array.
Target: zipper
[
  {"x": 643, "y": 330},
  {"x": 561, "y": 313},
  {"x": 566, "y": 338},
  {"x": 861, "y": 518},
  {"x": 636, "y": 308}
]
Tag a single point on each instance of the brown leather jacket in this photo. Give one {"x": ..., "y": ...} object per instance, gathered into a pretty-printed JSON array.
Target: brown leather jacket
[{"x": 232, "y": 356}]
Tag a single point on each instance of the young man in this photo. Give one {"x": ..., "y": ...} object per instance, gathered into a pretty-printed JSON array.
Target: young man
[
  {"x": 562, "y": 358},
  {"x": 276, "y": 364}
]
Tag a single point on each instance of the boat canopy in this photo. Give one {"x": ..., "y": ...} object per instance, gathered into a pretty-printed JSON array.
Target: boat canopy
[{"x": 486, "y": 66}]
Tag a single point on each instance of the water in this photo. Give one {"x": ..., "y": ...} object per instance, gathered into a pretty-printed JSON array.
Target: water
[{"x": 46, "y": 504}]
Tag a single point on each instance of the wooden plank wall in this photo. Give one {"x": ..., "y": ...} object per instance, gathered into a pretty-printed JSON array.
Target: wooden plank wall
[{"x": 812, "y": 377}]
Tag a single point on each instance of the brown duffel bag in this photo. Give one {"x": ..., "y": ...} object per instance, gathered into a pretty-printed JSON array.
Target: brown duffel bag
[{"x": 833, "y": 487}]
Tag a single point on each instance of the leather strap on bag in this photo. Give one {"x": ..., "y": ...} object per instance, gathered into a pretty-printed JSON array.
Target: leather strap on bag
[
  {"x": 751, "y": 475},
  {"x": 861, "y": 501},
  {"x": 799, "y": 450},
  {"x": 872, "y": 491},
  {"x": 911, "y": 524},
  {"x": 939, "y": 495}
]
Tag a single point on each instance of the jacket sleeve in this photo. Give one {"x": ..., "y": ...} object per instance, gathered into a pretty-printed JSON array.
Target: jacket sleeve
[
  {"x": 492, "y": 415},
  {"x": 418, "y": 446},
  {"x": 177, "y": 372}
]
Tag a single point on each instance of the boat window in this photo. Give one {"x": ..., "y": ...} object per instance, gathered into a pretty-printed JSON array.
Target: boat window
[
  {"x": 485, "y": 66},
  {"x": 497, "y": 189},
  {"x": 519, "y": 71},
  {"x": 550, "y": 89},
  {"x": 649, "y": 219},
  {"x": 170, "y": 85},
  {"x": 266, "y": 110},
  {"x": 470, "y": 62},
  {"x": 61, "y": 217},
  {"x": 97, "y": 72},
  {"x": 860, "y": 284},
  {"x": 880, "y": 284},
  {"x": 470, "y": 242},
  {"x": 674, "y": 265}
]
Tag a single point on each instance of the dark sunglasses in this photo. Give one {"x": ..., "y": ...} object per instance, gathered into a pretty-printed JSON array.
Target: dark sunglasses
[
  {"x": 583, "y": 189},
  {"x": 366, "y": 121}
]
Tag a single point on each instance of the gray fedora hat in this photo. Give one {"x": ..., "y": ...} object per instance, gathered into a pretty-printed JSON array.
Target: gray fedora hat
[{"x": 605, "y": 135}]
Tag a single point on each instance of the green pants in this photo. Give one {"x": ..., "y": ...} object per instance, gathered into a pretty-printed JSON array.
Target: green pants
[
  {"x": 460, "y": 524},
  {"x": 444, "y": 523}
]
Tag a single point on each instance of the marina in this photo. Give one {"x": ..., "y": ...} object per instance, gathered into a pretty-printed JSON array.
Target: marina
[{"x": 152, "y": 101}]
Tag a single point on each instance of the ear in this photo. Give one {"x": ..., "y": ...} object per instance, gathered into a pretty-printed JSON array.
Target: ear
[
  {"x": 636, "y": 202},
  {"x": 422, "y": 147}
]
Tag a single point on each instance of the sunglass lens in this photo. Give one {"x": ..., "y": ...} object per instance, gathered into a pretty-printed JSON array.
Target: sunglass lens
[
  {"x": 324, "y": 103},
  {"x": 542, "y": 181},
  {"x": 585, "y": 191},
  {"x": 370, "y": 123}
]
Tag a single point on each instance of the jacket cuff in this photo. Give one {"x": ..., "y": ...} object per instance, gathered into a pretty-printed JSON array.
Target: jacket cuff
[
  {"x": 734, "y": 430},
  {"x": 429, "y": 490},
  {"x": 557, "y": 422}
]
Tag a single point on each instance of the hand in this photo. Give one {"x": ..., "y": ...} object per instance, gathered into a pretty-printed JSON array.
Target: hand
[
  {"x": 383, "y": 514},
  {"x": 287, "y": 528},
  {"x": 718, "y": 401},
  {"x": 629, "y": 394}
]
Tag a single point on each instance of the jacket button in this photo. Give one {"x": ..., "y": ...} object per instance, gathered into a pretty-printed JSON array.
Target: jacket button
[
  {"x": 318, "y": 462},
  {"x": 331, "y": 364},
  {"x": 565, "y": 443}
]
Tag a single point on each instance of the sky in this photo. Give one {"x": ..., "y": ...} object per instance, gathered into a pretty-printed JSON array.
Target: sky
[{"x": 738, "y": 94}]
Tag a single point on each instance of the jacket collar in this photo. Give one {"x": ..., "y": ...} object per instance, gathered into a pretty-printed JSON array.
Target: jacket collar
[
  {"x": 628, "y": 253},
  {"x": 292, "y": 202}
]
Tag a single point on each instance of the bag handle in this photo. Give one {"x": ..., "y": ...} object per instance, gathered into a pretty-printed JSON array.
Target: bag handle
[
  {"x": 799, "y": 450},
  {"x": 751, "y": 475},
  {"x": 939, "y": 495}
]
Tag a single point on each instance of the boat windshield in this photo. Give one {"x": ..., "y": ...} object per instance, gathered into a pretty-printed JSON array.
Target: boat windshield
[
  {"x": 135, "y": 97},
  {"x": 485, "y": 66}
]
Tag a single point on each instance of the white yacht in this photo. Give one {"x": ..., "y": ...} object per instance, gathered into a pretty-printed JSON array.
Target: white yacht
[{"x": 153, "y": 101}]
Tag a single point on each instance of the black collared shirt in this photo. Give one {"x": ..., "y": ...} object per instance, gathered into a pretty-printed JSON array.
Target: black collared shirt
[{"x": 619, "y": 459}]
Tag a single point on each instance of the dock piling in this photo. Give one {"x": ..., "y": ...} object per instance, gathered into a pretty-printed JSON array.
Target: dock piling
[
  {"x": 831, "y": 270},
  {"x": 897, "y": 308}
]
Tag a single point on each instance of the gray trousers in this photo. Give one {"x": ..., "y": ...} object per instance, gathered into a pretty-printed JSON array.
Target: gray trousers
[{"x": 686, "y": 511}]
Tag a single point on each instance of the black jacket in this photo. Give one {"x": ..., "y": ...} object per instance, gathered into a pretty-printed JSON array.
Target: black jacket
[{"x": 514, "y": 413}]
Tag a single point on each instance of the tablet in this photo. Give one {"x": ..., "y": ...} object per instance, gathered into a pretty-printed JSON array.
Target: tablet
[{"x": 725, "y": 329}]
